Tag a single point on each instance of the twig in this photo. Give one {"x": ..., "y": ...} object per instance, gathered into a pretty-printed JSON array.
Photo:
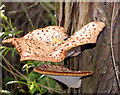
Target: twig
[
  {"x": 50, "y": 6},
  {"x": 13, "y": 73},
  {"x": 15, "y": 11},
  {"x": 112, "y": 51},
  {"x": 17, "y": 71},
  {"x": 12, "y": 28},
  {"x": 27, "y": 20},
  {"x": 9, "y": 70},
  {"x": 48, "y": 10},
  {"x": 27, "y": 15},
  {"x": 50, "y": 89}
]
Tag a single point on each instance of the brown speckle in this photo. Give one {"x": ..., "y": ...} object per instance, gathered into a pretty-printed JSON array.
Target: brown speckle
[
  {"x": 77, "y": 38},
  {"x": 29, "y": 48},
  {"x": 40, "y": 38},
  {"x": 73, "y": 41},
  {"x": 38, "y": 47},
  {"x": 85, "y": 29},
  {"x": 66, "y": 44},
  {"x": 88, "y": 38},
  {"x": 53, "y": 28},
  {"x": 87, "y": 26}
]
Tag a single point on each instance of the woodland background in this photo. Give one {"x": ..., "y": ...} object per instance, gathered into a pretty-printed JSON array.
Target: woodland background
[{"x": 102, "y": 58}]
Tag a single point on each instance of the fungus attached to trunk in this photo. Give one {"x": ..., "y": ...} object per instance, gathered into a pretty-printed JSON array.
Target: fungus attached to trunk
[
  {"x": 47, "y": 44},
  {"x": 38, "y": 44},
  {"x": 69, "y": 77}
]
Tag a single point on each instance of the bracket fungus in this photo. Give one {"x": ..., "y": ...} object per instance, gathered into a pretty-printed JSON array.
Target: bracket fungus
[
  {"x": 37, "y": 45},
  {"x": 49, "y": 44},
  {"x": 69, "y": 77}
]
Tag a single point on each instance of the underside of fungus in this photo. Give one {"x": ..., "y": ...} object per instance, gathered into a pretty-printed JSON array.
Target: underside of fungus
[
  {"x": 38, "y": 44},
  {"x": 69, "y": 77}
]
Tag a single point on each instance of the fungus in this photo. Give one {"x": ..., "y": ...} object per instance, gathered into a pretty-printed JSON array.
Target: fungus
[
  {"x": 69, "y": 77},
  {"x": 44, "y": 46},
  {"x": 40, "y": 45}
]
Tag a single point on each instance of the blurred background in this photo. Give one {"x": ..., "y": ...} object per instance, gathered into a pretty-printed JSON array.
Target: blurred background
[{"x": 20, "y": 18}]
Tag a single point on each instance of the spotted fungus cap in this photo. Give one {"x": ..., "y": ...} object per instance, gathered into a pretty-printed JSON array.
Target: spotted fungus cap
[{"x": 37, "y": 45}]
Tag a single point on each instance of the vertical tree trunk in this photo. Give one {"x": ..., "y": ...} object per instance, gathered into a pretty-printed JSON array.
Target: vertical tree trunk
[{"x": 96, "y": 57}]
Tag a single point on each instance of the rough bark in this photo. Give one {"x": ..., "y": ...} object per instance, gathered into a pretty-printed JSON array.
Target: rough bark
[{"x": 96, "y": 57}]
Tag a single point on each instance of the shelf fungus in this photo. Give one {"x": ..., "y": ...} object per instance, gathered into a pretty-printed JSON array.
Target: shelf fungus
[
  {"x": 69, "y": 77},
  {"x": 48, "y": 44}
]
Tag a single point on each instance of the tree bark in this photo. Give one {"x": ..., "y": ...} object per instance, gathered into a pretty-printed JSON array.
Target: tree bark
[{"x": 96, "y": 57}]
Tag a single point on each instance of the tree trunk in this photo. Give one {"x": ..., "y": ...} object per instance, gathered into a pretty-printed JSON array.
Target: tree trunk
[{"x": 96, "y": 57}]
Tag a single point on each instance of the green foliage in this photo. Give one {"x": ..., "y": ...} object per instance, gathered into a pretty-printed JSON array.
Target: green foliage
[
  {"x": 33, "y": 82},
  {"x": 5, "y": 92},
  {"x": 5, "y": 50},
  {"x": 36, "y": 83}
]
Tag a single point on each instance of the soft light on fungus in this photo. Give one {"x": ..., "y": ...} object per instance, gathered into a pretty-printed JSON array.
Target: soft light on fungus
[
  {"x": 37, "y": 45},
  {"x": 47, "y": 44},
  {"x": 69, "y": 77}
]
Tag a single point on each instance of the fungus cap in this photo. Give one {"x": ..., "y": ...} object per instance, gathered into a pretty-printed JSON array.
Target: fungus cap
[{"x": 69, "y": 77}]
